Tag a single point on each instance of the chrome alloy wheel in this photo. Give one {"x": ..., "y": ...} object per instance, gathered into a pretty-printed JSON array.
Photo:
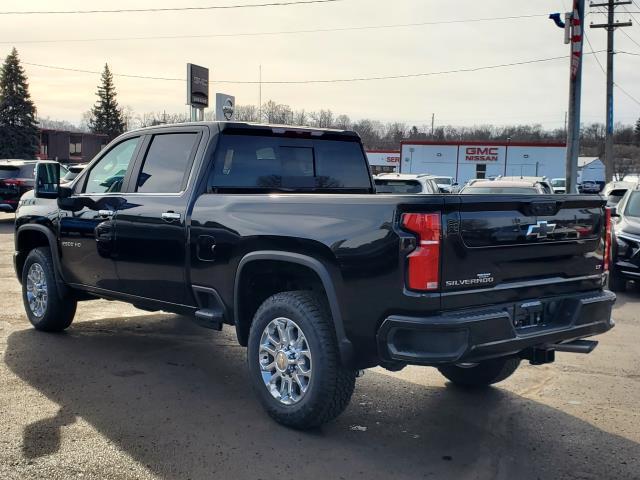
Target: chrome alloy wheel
[
  {"x": 37, "y": 293},
  {"x": 285, "y": 360}
]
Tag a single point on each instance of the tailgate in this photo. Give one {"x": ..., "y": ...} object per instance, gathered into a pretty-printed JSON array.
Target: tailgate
[{"x": 506, "y": 248}]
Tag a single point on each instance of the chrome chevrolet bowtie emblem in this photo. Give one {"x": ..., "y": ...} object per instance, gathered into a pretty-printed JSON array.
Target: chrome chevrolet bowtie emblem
[{"x": 542, "y": 229}]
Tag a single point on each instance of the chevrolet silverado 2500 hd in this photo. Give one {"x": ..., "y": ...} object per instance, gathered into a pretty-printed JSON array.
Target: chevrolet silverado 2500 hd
[{"x": 279, "y": 233}]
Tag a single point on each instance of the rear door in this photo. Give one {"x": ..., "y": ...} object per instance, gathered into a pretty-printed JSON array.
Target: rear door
[
  {"x": 151, "y": 226},
  {"x": 504, "y": 248}
]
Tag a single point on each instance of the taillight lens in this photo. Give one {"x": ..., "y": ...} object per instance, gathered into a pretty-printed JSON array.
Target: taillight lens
[
  {"x": 424, "y": 261},
  {"x": 14, "y": 182},
  {"x": 607, "y": 239}
]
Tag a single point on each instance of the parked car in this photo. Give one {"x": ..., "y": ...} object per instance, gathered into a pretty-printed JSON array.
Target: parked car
[
  {"x": 72, "y": 172},
  {"x": 614, "y": 191},
  {"x": 446, "y": 184},
  {"x": 502, "y": 186},
  {"x": 405, "y": 183},
  {"x": 589, "y": 186},
  {"x": 277, "y": 232},
  {"x": 625, "y": 231},
  {"x": 559, "y": 185},
  {"x": 16, "y": 178},
  {"x": 543, "y": 182}
]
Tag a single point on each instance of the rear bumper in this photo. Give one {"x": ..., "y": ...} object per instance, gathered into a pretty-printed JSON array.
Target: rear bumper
[{"x": 489, "y": 332}]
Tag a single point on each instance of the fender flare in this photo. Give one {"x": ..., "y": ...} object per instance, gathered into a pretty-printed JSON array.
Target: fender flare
[
  {"x": 344, "y": 344},
  {"x": 53, "y": 246}
]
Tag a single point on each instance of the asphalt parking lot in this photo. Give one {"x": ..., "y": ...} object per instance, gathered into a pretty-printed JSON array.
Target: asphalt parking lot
[{"x": 129, "y": 394}]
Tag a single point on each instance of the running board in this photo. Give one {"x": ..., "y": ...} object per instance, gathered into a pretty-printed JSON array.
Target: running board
[
  {"x": 577, "y": 346},
  {"x": 209, "y": 318}
]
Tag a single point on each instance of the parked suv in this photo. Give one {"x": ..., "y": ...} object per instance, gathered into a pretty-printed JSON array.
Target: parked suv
[
  {"x": 406, "y": 183},
  {"x": 625, "y": 261},
  {"x": 278, "y": 233},
  {"x": 16, "y": 178}
]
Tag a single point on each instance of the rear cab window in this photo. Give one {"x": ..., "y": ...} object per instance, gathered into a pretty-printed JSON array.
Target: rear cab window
[
  {"x": 260, "y": 162},
  {"x": 398, "y": 186}
]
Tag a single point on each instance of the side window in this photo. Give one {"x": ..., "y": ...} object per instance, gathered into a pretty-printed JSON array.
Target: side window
[
  {"x": 167, "y": 163},
  {"x": 107, "y": 175}
]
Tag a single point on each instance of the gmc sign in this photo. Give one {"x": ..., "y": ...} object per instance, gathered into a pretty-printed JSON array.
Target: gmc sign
[{"x": 481, "y": 154}]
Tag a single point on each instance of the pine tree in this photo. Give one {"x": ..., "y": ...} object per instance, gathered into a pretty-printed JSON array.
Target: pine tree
[
  {"x": 106, "y": 117},
  {"x": 19, "y": 135},
  {"x": 636, "y": 130}
]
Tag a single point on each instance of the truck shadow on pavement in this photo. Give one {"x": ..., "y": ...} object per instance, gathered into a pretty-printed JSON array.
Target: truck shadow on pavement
[{"x": 176, "y": 399}]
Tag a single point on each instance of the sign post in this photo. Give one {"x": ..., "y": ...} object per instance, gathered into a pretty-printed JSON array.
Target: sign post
[{"x": 197, "y": 90}]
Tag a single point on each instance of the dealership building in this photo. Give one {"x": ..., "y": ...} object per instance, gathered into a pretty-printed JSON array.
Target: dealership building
[
  {"x": 383, "y": 161},
  {"x": 69, "y": 147},
  {"x": 467, "y": 160}
]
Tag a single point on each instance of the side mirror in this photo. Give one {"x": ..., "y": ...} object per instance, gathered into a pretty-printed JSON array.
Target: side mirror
[
  {"x": 614, "y": 212},
  {"x": 455, "y": 184},
  {"x": 47, "y": 180}
]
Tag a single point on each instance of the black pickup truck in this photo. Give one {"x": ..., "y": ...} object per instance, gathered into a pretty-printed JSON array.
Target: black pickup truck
[{"x": 278, "y": 231}]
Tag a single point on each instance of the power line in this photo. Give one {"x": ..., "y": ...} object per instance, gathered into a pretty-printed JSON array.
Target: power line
[
  {"x": 282, "y": 32},
  {"x": 166, "y": 9},
  {"x": 615, "y": 84},
  {"x": 320, "y": 81}
]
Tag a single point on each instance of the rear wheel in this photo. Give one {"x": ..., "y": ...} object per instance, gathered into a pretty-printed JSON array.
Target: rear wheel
[
  {"x": 46, "y": 308},
  {"x": 481, "y": 374},
  {"x": 294, "y": 362}
]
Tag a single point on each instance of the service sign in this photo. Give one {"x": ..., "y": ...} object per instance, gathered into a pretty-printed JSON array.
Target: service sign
[{"x": 197, "y": 86}]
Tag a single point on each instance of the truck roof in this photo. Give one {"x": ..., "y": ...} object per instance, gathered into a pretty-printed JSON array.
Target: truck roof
[{"x": 264, "y": 127}]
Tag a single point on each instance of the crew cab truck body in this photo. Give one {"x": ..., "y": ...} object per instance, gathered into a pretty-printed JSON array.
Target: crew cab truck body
[{"x": 278, "y": 232}]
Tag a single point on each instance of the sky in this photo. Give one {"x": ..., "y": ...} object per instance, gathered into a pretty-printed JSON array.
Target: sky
[{"x": 525, "y": 94}]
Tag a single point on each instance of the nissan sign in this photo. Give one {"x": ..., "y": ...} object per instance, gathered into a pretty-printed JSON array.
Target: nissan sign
[
  {"x": 225, "y": 107},
  {"x": 197, "y": 86}
]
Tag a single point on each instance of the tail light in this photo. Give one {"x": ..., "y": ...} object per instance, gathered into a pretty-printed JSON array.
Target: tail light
[
  {"x": 607, "y": 239},
  {"x": 424, "y": 261},
  {"x": 13, "y": 181}
]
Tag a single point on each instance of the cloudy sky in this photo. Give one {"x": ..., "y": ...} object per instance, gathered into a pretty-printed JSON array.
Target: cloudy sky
[{"x": 531, "y": 93}]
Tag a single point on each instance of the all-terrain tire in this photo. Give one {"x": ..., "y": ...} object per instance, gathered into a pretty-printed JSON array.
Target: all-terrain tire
[
  {"x": 331, "y": 384},
  {"x": 56, "y": 312},
  {"x": 484, "y": 373}
]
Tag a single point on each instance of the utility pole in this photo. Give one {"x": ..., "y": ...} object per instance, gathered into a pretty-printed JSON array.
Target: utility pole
[
  {"x": 433, "y": 122},
  {"x": 260, "y": 94},
  {"x": 573, "y": 35},
  {"x": 611, "y": 26}
]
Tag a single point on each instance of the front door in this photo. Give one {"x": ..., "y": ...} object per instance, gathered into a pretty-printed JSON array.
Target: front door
[
  {"x": 87, "y": 218},
  {"x": 151, "y": 227}
]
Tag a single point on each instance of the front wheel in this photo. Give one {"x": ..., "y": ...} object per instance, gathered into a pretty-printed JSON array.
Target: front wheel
[
  {"x": 46, "y": 308},
  {"x": 481, "y": 374},
  {"x": 294, "y": 362}
]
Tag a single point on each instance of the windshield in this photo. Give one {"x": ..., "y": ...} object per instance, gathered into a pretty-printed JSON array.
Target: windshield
[
  {"x": 398, "y": 186},
  {"x": 442, "y": 180},
  {"x": 558, "y": 182},
  {"x": 495, "y": 190},
  {"x": 633, "y": 205}
]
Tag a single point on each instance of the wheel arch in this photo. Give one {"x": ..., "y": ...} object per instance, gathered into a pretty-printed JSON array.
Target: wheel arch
[
  {"x": 32, "y": 236},
  {"x": 297, "y": 263}
]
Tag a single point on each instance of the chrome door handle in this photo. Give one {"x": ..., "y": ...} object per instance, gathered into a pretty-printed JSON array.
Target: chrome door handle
[
  {"x": 106, "y": 213},
  {"x": 170, "y": 216}
]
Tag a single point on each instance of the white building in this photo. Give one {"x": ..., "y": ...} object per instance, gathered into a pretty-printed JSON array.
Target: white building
[
  {"x": 590, "y": 169},
  {"x": 383, "y": 161},
  {"x": 467, "y": 160}
]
